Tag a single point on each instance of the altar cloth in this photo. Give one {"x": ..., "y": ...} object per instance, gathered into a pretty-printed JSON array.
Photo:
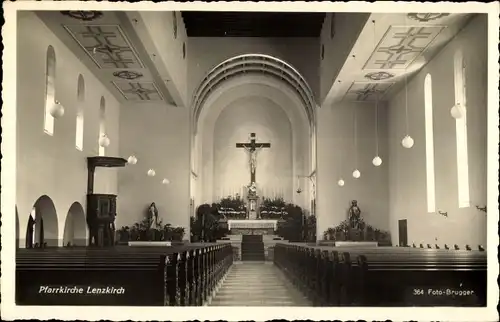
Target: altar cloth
[{"x": 252, "y": 224}]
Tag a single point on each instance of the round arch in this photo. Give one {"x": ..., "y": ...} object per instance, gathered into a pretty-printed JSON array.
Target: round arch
[
  {"x": 75, "y": 226},
  {"x": 244, "y": 86},
  {"x": 252, "y": 64},
  {"x": 42, "y": 228}
]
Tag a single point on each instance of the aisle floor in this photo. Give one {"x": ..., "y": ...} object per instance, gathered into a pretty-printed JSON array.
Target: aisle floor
[{"x": 257, "y": 284}]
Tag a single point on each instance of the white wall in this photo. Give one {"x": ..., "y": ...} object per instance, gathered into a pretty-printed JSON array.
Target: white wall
[
  {"x": 169, "y": 48},
  {"x": 408, "y": 167},
  {"x": 274, "y": 166},
  {"x": 158, "y": 135},
  {"x": 336, "y": 159},
  {"x": 51, "y": 165}
]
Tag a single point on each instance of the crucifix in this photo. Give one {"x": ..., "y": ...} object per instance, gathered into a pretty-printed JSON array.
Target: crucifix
[{"x": 252, "y": 148}]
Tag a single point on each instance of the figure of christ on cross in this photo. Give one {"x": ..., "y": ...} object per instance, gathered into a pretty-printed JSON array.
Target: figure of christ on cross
[{"x": 252, "y": 148}]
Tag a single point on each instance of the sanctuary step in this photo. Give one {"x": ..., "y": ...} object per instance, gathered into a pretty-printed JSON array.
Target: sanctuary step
[
  {"x": 257, "y": 284},
  {"x": 252, "y": 248}
]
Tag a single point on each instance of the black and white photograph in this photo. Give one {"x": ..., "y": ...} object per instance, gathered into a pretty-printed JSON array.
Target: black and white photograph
[{"x": 250, "y": 161}]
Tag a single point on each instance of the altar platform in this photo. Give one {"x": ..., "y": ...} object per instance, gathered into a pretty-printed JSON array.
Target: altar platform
[
  {"x": 252, "y": 224},
  {"x": 269, "y": 242}
]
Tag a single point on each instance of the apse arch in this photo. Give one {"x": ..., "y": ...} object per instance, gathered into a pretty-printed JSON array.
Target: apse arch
[
  {"x": 43, "y": 226},
  {"x": 246, "y": 87},
  {"x": 244, "y": 80},
  {"x": 251, "y": 64},
  {"x": 75, "y": 226}
]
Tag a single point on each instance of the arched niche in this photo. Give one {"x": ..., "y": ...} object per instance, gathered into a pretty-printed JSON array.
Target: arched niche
[
  {"x": 75, "y": 227},
  {"x": 42, "y": 228}
]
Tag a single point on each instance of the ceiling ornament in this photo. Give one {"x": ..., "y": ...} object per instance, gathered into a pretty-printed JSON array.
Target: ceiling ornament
[
  {"x": 106, "y": 45},
  {"x": 83, "y": 15},
  {"x": 427, "y": 16},
  {"x": 127, "y": 74},
  {"x": 378, "y": 76},
  {"x": 400, "y": 46},
  {"x": 362, "y": 92},
  {"x": 139, "y": 91}
]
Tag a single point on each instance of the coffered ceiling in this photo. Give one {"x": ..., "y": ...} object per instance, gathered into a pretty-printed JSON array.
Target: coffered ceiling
[
  {"x": 108, "y": 46},
  {"x": 390, "y": 48}
]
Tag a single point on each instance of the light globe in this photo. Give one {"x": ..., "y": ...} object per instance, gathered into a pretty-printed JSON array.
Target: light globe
[
  {"x": 104, "y": 141},
  {"x": 56, "y": 110},
  {"x": 457, "y": 111},
  {"x": 407, "y": 142},
  {"x": 132, "y": 159},
  {"x": 377, "y": 161}
]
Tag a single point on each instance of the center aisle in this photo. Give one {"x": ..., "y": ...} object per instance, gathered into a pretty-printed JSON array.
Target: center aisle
[{"x": 257, "y": 284}]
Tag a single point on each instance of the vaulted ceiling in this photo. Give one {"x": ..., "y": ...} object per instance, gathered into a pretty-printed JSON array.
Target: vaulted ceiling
[{"x": 252, "y": 24}]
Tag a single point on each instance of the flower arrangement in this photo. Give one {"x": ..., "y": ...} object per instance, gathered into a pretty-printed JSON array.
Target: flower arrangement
[
  {"x": 206, "y": 226},
  {"x": 273, "y": 208},
  {"x": 145, "y": 230},
  {"x": 344, "y": 231},
  {"x": 232, "y": 207}
]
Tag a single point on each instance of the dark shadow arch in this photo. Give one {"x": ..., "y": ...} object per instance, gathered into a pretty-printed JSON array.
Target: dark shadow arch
[
  {"x": 45, "y": 230},
  {"x": 75, "y": 226}
]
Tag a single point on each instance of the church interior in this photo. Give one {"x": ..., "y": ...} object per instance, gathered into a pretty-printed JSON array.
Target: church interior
[{"x": 264, "y": 144}]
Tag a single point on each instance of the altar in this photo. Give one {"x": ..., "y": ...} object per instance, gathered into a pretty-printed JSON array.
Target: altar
[{"x": 252, "y": 227}]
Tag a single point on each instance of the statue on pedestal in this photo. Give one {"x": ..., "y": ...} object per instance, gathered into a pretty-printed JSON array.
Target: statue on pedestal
[
  {"x": 354, "y": 215},
  {"x": 252, "y": 190},
  {"x": 153, "y": 215}
]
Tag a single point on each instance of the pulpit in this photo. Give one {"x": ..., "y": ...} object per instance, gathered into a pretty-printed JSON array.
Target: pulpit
[
  {"x": 101, "y": 208},
  {"x": 101, "y": 212}
]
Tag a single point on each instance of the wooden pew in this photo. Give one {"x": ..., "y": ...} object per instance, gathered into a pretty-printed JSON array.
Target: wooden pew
[
  {"x": 152, "y": 276},
  {"x": 357, "y": 276},
  {"x": 405, "y": 275}
]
